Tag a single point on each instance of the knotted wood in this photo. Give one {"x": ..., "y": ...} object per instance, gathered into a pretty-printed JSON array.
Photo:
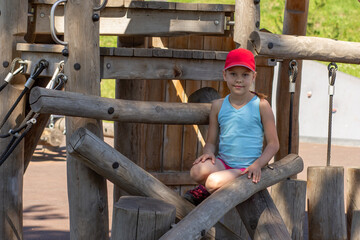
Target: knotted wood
[
  {"x": 214, "y": 207},
  {"x": 106, "y": 161},
  {"x": 353, "y": 204},
  {"x": 80, "y": 105}
]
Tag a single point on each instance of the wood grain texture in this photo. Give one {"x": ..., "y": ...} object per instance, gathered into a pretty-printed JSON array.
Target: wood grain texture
[
  {"x": 137, "y": 218},
  {"x": 13, "y": 25},
  {"x": 80, "y": 105},
  {"x": 102, "y": 158},
  {"x": 325, "y": 197},
  {"x": 353, "y": 204},
  {"x": 87, "y": 190},
  {"x": 210, "y": 211}
]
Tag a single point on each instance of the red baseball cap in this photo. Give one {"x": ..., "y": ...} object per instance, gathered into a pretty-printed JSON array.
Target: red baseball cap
[{"x": 240, "y": 57}]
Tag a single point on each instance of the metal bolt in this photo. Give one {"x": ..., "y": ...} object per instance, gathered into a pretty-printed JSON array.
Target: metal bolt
[
  {"x": 5, "y": 64},
  {"x": 111, "y": 110},
  {"x": 42, "y": 14},
  {"x": 203, "y": 232},
  {"x": 108, "y": 65},
  {"x": 270, "y": 45},
  {"x": 257, "y": 24},
  {"x": 216, "y": 22},
  {"x": 77, "y": 66},
  {"x": 256, "y": 2},
  {"x": 65, "y": 52},
  {"x": 115, "y": 165},
  {"x": 95, "y": 17}
]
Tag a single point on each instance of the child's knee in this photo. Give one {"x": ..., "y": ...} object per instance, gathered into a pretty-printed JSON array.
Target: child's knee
[
  {"x": 213, "y": 182},
  {"x": 198, "y": 172}
]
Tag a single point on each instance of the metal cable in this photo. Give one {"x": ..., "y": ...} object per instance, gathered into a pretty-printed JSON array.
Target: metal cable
[
  {"x": 332, "y": 67},
  {"x": 293, "y": 70}
]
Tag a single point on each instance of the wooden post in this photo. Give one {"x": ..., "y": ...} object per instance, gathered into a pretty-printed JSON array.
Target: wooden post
[
  {"x": 81, "y": 105},
  {"x": 261, "y": 218},
  {"x": 353, "y": 203},
  {"x": 137, "y": 218},
  {"x": 210, "y": 211},
  {"x": 326, "y": 211},
  {"x": 289, "y": 197},
  {"x": 247, "y": 19},
  {"x": 87, "y": 190},
  {"x": 105, "y": 160},
  {"x": 13, "y": 22}
]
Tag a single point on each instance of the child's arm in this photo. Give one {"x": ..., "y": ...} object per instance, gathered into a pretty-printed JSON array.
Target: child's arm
[
  {"x": 213, "y": 131},
  {"x": 272, "y": 142}
]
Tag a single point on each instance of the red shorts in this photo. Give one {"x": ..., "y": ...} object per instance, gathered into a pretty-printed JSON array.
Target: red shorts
[{"x": 227, "y": 166}]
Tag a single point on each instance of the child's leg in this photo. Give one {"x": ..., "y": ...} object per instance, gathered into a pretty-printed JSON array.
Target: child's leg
[
  {"x": 200, "y": 171},
  {"x": 217, "y": 179}
]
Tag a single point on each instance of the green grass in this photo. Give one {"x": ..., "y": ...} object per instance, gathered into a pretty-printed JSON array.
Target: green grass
[{"x": 332, "y": 19}]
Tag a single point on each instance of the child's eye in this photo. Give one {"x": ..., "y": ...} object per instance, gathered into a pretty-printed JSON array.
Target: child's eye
[
  {"x": 233, "y": 74},
  {"x": 245, "y": 74}
]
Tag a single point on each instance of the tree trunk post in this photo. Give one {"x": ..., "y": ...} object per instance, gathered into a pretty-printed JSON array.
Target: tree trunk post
[
  {"x": 326, "y": 210},
  {"x": 87, "y": 190},
  {"x": 13, "y": 22},
  {"x": 137, "y": 218}
]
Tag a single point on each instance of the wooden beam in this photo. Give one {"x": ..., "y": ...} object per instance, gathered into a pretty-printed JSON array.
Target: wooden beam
[
  {"x": 80, "y": 105},
  {"x": 108, "y": 162},
  {"x": 301, "y": 47},
  {"x": 174, "y": 178},
  {"x": 143, "y": 18},
  {"x": 247, "y": 20},
  {"x": 87, "y": 191},
  {"x": 13, "y": 23},
  {"x": 353, "y": 203},
  {"x": 210, "y": 211}
]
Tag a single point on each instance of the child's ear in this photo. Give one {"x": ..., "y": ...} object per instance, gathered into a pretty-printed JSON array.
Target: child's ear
[{"x": 224, "y": 75}]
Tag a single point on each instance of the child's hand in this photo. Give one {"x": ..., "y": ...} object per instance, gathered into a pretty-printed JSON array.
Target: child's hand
[
  {"x": 204, "y": 157},
  {"x": 254, "y": 171}
]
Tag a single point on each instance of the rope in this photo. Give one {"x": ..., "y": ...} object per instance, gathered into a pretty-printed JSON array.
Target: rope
[{"x": 332, "y": 68}]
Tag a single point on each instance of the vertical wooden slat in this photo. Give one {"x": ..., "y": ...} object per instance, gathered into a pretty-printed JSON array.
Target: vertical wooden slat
[
  {"x": 13, "y": 18},
  {"x": 87, "y": 190}
]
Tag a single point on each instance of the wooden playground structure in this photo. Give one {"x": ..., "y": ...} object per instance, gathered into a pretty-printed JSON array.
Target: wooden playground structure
[{"x": 166, "y": 52}]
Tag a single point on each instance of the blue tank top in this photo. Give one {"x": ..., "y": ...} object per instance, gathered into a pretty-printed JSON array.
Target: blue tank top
[{"x": 241, "y": 133}]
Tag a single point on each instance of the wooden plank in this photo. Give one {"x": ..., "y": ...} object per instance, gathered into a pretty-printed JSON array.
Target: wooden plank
[
  {"x": 84, "y": 185},
  {"x": 138, "y": 21},
  {"x": 162, "y": 68},
  {"x": 210, "y": 211},
  {"x": 124, "y": 173},
  {"x": 88, "y": 106},
  {"x": 174, "y": 178},
  {"x": 13, "y": 21}
]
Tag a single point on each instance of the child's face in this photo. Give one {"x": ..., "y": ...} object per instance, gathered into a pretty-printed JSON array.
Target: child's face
[{"x": 239, "y": 79}]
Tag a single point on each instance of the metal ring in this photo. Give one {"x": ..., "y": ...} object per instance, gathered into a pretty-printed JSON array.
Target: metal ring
[
  {"x": 52, "y": 23},
  {"x": 101, "y": 7},
  {"x": 293, "y": 63},
  {"x": 332, "y": 65}
]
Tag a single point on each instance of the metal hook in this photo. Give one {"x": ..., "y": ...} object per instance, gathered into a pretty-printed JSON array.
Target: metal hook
[
  {"x": 52, "y": 23},
  {"x": 101, "y": 7},
  {"x": 332, "y": 67}
]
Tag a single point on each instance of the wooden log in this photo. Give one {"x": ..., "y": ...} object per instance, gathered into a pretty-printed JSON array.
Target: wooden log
[
  {"x": 261, "y": 217},
  {"x": 87, "y": 191},
  {"x": 325, "y": 197},
  {"x": 305, "y": 48},
  {"x": 247, "y": 19},
  {"x": 353, "y": 203},
  {"x": 108, "y": 162},
  {"x": 13, "y": 15},
  {"x": 138, "y": 218},
  {"x": 210, "y": 211},
  {"x": 79, "y": 105},
  {"x": 289, "y": 197}
]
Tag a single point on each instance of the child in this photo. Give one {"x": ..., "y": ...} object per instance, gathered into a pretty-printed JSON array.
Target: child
[{"x": 241, "y": 118}]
